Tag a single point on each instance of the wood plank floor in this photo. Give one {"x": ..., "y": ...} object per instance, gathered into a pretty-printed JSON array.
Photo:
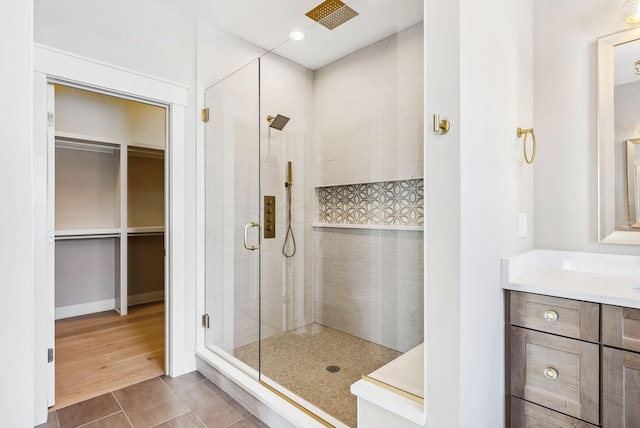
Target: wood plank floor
[{"x": 103, "y": 352}]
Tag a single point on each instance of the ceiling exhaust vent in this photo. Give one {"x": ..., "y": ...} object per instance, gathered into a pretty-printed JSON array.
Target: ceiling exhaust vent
[{"x": 331, "y": 13}]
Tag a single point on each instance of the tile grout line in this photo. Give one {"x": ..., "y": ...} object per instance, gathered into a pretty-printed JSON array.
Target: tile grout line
[
  {"x": 121, "y": 408},
  {"x": 191, "y": 410},
  {"x": 175, "y": 417},
  {"x": 242, "y": 418},
  {"x": 187, "y": 406},
  {"x": 99, "y": 419},
  {"x": 182, "y": 401}
]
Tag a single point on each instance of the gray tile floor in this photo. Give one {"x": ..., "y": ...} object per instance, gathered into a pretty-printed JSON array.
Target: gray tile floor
[{"x": 188, "y": 401}]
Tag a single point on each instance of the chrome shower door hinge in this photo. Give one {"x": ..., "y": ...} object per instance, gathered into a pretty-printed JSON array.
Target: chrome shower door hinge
[{"x": 205, "y": 320}]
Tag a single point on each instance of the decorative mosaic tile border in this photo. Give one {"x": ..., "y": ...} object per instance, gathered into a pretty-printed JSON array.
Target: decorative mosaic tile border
[{"x": 398, "y": 203}]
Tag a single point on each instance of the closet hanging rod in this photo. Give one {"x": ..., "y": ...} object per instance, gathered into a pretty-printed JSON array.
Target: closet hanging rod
[{"x": 77, "y": 237}]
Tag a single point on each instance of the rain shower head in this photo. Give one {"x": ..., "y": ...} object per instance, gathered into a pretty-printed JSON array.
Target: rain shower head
[
  {"x": 278, "y": 122},
  {"x": 331, "y": 13}
]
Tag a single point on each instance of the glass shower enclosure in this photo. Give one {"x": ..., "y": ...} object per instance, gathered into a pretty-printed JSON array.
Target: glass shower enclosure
[
  {"x": 233, "y": 210},
  {"x": 344, "y": 179}
]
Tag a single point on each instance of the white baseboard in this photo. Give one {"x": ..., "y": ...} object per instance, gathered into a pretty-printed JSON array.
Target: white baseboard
[
  {"x": 106, "y": 305},
  {"x": 84, "y": 308}
]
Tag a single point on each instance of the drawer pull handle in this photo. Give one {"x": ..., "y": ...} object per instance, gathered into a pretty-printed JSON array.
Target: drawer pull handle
[
  {"x": 551, "y": 316},
  {"x": 550, "y": 373}
]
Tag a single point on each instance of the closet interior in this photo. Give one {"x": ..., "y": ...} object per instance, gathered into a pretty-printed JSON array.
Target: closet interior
[
  {"x": 107, "y": 216},
  {"x": 109, "y": 202}
]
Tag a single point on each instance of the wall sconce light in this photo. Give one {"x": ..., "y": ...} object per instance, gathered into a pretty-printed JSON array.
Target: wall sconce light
[{"x": 631, "y": 11}]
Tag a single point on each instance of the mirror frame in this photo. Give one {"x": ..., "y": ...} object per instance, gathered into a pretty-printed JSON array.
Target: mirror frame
[{"x": 607, "y": 232}]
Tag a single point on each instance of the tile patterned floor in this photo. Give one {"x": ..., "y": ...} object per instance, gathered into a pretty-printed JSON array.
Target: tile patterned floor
[{"x": 188, "y": 401}]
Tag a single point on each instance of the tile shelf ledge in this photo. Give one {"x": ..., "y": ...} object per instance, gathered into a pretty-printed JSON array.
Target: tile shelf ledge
[{"x": 368, "y": 226}]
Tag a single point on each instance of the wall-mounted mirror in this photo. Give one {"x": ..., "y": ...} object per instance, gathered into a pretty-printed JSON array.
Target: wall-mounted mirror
[
  {"x": 619, "y": 137},
  {"x": 633, "y": 182}
]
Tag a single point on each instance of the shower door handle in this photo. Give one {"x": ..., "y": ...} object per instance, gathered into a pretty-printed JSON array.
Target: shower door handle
[{"x": 246, "y": 232}]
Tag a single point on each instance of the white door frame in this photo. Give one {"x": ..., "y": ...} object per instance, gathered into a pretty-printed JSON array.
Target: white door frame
[{"x": 52, "y": 65}]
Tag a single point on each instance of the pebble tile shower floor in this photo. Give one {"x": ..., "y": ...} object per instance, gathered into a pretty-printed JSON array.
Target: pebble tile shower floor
[{"x": 298, "y": 360}]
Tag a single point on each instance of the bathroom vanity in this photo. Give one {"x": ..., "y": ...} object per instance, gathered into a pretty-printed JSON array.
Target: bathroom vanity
[{"x": 572, "y": 339}]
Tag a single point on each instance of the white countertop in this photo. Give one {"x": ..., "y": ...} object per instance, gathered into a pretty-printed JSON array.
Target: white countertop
[{"x": 598, "y": 278}]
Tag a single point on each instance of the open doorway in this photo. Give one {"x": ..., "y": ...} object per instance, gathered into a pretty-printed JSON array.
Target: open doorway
[
  {"x": 106, "y": 191},
  {"x": 54, "y": 67}
]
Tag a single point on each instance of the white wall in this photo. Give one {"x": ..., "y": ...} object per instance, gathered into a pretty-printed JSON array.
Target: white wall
[
  {"x": 442, "y": 215},
  {"x": 565, "y": 116},
  {"x": 16, "y": 305},
  {"x": 477, "y": 184},
  {"x": 151, "y": 40},
  {"x": 496, "y": 64},
  {"x": 89, "y": 113}
]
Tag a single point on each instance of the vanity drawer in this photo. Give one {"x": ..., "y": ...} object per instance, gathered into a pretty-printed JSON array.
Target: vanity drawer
[
  {"x": 528, "y": 415},
  {"x": 620, "y": 388},
  {"x": 621, "y": 327},
  {"x": 565, "y": 317},
  {"x": 556, "y": 372}
]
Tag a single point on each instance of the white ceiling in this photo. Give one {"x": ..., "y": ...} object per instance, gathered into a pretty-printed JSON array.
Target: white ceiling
[{"x": 267, "y": 24}]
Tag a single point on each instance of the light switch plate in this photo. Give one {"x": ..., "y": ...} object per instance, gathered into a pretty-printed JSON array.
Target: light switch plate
[{"x": 522, "y": 225}]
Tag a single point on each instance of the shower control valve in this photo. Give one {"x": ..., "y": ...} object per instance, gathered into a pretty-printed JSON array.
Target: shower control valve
[{"x": 269, "y": 217}]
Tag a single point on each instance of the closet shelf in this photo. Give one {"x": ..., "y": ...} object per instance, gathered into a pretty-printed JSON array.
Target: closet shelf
[
  {"x": 368, "y": 226},
  {"x": 87, "y": 233},
  {"x": 145, "y": 230},
  {"x": 72, "y": 137}
]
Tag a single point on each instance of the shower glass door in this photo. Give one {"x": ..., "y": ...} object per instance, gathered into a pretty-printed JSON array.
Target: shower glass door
[{"x": 232, "y": 207}]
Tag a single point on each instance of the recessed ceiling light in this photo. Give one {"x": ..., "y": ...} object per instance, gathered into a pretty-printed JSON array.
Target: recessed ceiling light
[{"x": 296, "y": 35}]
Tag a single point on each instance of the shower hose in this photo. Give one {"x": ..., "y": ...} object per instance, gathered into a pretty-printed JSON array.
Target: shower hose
[{"x": 289, "y": 229}]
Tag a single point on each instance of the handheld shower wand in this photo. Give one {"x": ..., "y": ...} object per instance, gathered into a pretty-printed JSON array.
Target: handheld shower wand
[{"x": 288, "y": 185}]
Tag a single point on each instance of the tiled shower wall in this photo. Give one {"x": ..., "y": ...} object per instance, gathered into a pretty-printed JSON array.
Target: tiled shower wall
[
  {"x": 398, "y": 203},
  {"x": 368, "y": 139},
  {"x": 369, "y": 283},
  {"x": 367, "y": 113}
]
